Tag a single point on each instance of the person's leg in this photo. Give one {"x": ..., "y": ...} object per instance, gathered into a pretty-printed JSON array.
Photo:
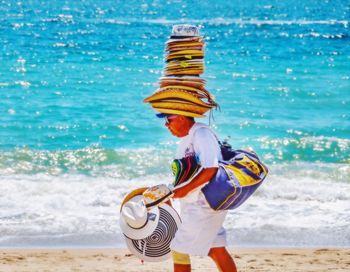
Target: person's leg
[
  {"x": 182, "y": 262},
  {"x": 222, "y": 259}
]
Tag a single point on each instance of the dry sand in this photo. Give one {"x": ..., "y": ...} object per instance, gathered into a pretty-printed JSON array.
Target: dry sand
[{"x": 120, "y": 260}]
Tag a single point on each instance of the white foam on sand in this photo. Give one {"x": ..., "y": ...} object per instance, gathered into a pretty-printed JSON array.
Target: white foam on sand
[
  {"x": 293, "y": 211},
  {"x": 292, "y": 208}
]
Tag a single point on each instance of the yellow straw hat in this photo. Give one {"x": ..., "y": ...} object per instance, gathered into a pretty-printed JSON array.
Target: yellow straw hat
[
  {"x": 179, "y": 112},
  {"x": 177, "y": 95},
  {"x": 185, "y": 72},
  {"x": 166, "y": 82},
  {"x": 181, "y": 106}
]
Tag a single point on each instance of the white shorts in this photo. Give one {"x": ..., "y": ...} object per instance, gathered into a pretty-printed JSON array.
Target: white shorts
[{"x": 201, "y": 228}]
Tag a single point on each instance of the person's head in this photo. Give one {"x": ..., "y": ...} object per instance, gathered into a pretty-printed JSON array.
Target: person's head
[{"x": 179, "y": 125}]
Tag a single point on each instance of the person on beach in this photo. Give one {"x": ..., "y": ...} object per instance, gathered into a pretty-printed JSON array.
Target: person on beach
[
  {"x": 201, "y": 232},
  {"x": 180, "y": 98}
]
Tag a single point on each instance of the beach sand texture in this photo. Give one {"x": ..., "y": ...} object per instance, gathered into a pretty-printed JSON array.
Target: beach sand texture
[{"x": 121, "y": 260}]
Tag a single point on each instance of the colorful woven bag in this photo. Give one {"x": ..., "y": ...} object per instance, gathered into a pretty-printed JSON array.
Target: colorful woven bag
[{"x": 236, "y": 180}]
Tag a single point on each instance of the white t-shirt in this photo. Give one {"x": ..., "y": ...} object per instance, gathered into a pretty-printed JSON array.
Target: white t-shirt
[
  {"x": 201, "y": 142},
  {"x": 201, "y": 227}
]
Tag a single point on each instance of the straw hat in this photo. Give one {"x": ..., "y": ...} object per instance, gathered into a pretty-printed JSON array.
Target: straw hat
[
  {"x": 182, "y": 106},
  {"x": 181, "y": 32},
  {"x": 156, "y": 195},
  {"x": 179, "y": 95},
  {"x": 156, "y": 247},
  {"x": 185, "y": 81},
  {"x": 148, "y": 232},
  {"x": 185, "y": 112},
  {"x": 136, "y": 221}
]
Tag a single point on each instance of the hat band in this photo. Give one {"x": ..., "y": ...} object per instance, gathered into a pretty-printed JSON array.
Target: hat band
[
  {"x": 181, "y": 37},
  {"x": 141, "y": 226},
  {"x": 158, "y": 201}
]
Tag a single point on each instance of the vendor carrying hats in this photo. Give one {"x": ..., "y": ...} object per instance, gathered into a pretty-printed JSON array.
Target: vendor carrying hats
[{"x": 201, "y": 231}]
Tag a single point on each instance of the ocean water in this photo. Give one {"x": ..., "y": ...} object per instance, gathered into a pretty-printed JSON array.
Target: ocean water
[{"x": 75, "y": 136}]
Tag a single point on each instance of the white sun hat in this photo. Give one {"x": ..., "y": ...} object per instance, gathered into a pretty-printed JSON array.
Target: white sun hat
[
  {"x": 183, "y": 32},
  {"x": 136, "y": 221},
  {"x": 156, "y": 247},
  {"x": 159, "y": 225}
]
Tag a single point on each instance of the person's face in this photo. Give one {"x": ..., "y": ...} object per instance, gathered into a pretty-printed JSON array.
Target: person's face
[{"x": 176, "y": 125}]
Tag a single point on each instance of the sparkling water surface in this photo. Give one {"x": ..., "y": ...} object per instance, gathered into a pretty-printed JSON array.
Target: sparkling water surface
[{"x": 75, "y": 136}]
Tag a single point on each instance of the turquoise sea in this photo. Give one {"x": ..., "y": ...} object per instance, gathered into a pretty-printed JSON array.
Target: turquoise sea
[{"x": 75, "y": 136}]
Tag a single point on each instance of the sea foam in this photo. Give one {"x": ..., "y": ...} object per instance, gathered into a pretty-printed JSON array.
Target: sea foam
[{"x": 80, "y": 210}]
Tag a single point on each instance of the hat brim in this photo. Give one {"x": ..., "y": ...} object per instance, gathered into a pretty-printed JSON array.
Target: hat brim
[
  {"x": 138, "y": 191},
  {"x": 147, "y": 229},
  {"x": 185, "y": 72},
  {"x": 184, "y": 78},
  {"x": 179, "y": 112},
  {"x": 196, "y": 85},
  {"x": 162, "y": 115},
  {"x": 179, "y": 96},
  {"x": 184, "y": 39}
]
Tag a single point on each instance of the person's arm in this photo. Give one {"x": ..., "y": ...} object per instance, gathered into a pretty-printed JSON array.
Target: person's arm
[{"x": 204, "y": 176}]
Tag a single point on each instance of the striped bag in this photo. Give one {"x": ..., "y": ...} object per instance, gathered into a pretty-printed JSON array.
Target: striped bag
[{"x": 236, "y": 180}]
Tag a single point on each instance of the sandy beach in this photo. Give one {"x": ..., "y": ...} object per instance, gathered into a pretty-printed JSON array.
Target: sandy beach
[{"x": 322, "y": 259}]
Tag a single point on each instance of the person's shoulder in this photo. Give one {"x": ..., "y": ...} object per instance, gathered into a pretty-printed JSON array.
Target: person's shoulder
[
  {"x": 198, "y": 126},
  {"x": 202, "y": 130}
]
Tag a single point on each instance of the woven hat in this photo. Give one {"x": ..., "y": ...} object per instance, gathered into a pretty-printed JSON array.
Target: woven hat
[
  {"x": 136, "y": 221},
  {"x": 151, "y": 246},
  {"x": 174, "y": 94},
  {"x": 185, "y": 81},
  {"x": 183, "y": 32},
  {"x": 156, "y": 247},
  {"x": 156, "y": 195},
  {"x": 185, "y": 112}
]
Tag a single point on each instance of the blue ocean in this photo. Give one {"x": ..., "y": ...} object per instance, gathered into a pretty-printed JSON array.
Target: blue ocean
[{"x": 75, "y": 135}]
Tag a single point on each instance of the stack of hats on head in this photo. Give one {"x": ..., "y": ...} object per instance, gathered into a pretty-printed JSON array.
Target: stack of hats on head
[
  {"x": 184, "y": 52},
  {"x": 181, "y": 90}
]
